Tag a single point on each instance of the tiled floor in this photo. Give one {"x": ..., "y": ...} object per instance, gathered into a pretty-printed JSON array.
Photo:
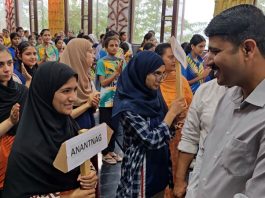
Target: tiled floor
[
  {"x": 109, "y": 180},
  {"x": 109, "y": 175}
]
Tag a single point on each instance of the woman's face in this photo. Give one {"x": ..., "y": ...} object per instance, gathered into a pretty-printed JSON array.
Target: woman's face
[
  {"x": 46, "y": 37},
  {"x": 29, "y": 56},
  {"x": 152, "y": 40},
  {"x": 154, "y": 79},
  {"x": 64, "y": 97},
  {"x": 6, "y": 67},
  {"x": 199, "y": 48},
  {"x": 32, "y": 41},
  {"x": 169, "y": 60},
  {"x": 90, "y": 57},
  {"x": 39, "y": 41},
  {"x": 59, "y": 44}
]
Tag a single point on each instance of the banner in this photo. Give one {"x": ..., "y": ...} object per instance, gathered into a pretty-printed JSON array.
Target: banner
[
  {"x": 221, "y": 5},
  {"x": 56, "y": 16}
]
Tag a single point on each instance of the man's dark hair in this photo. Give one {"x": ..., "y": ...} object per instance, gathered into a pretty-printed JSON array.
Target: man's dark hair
[
  {"x": 239, "y": 23},
  {"x": 122, "y": 33},
  {"x": 106, "y": 42},
  {"x": 161, "y": 48},
  {"x": 19, "y": 28},
  {"x": 111, "y": 33}
]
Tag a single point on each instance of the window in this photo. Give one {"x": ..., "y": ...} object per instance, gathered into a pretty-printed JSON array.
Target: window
[
  {"x": 74, "y": 15},
  {"x": 24, "y": 14},
  {"x": 43, "y": 22},
  {"x": 100, "y": 17},
  {"x": 147, "y": 17},
  {"x": 261, "y": 4},
  {"x": 2, "y": 15}
]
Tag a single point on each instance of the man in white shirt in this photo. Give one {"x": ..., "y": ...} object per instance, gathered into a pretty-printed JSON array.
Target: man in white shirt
[
  {"x": 233, "y": 163},
  {"x": 196, "y": 127}
]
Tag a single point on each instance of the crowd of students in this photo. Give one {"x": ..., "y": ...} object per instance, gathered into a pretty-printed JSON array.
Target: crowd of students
[{"x": 50, "y": 89}]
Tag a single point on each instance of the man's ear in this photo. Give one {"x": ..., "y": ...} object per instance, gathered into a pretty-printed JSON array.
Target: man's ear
[{"x": 249, "y": 46}]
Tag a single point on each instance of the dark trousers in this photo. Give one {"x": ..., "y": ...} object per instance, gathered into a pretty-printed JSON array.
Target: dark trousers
[{"x": 105, "y": 114}]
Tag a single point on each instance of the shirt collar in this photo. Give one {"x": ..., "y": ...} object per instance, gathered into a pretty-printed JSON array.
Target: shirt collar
[{"x": 256, "y": 98}]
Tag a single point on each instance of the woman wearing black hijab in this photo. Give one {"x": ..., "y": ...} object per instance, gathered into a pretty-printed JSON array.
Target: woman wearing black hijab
[
  {"x": 12, "y": 99},
  {"x": 145, "y": 120},
  {"x": 45, "y": 124}
]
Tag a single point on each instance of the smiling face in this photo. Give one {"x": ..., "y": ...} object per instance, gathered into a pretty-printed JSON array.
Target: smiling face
[
  {"x": 59, "y": 44},
  {"x": 154, "y": 79},
  {"x": 65, "y": 96},
  {"x": 29, "y": 56},
  {"x": 39, "y": 40},
  {"x": 227, "y": 61},
  {"x": 6, "y": 67}
]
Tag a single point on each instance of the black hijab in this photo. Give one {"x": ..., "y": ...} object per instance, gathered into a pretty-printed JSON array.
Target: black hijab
[
  {"x": 133, "y": 95},
  {"x": 9, "y": 95},
  {"x": 40, "y": 134}
]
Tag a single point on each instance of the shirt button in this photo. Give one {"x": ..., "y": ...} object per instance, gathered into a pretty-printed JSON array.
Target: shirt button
[
  {"x": 215, "y": 157},
  {"x": 227, "y": 132},
  {"x": 204, "y": 179}
]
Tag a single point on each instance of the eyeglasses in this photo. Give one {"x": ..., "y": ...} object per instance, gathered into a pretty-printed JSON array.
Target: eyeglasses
[{"x": 159, "y": 75}]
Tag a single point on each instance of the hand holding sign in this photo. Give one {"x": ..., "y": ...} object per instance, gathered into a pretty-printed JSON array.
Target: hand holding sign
[
  {"x": 181, "y": 57},
  {"x": 80, "y": 149},
  {"x": 88, "y": 181}
]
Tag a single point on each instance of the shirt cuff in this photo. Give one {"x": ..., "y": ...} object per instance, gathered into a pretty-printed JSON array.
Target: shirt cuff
[{"x": 187, "y": 147}]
